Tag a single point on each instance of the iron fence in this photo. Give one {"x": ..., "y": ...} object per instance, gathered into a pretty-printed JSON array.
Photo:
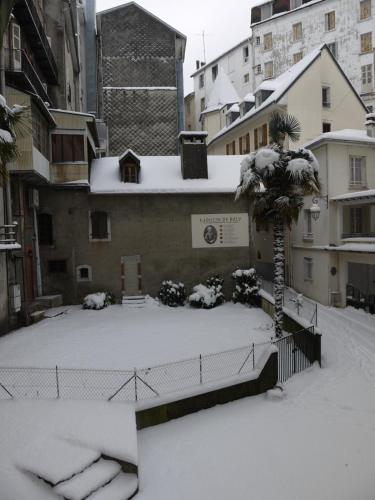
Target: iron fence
[
  {"x": 127, "y": 385},
  {"x": 303, "y": 306}
]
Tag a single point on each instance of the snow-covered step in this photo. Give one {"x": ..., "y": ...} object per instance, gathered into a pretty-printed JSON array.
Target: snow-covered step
[
  {"x": 134, "y": 300},
  {"x": 122, "y": 487},
  {"x": 37, "y": 316},
  {"x": 81, "y": 485}
]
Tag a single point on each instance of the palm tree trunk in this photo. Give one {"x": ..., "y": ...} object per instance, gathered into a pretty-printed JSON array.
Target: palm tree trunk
[{"x": 278, "y": 284}]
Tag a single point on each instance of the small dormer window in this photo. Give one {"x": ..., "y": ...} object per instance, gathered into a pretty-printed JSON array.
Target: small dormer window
[{"x": 130, "y": 167}]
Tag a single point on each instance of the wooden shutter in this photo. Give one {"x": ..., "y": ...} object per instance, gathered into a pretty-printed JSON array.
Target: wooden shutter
[
  {"x": 240, "y": 141},
  {"x": 264, "y": 135},
  {"x": 248, "y": 143},
  {"x": 256, "y": 139},
  {"x": 233, "y": 147},
  {"x": 57, "y": 148},
  {"x": 78, "y": 150}
]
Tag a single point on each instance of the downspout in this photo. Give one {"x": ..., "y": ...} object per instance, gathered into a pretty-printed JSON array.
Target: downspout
[{"x": 37, "y": 255}]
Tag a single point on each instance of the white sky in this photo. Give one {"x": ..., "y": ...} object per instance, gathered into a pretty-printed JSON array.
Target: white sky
[{"x": 225, "y": 23}]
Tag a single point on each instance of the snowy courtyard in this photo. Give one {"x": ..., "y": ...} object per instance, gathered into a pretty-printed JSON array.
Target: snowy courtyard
[{"x": 122, "y": 338}]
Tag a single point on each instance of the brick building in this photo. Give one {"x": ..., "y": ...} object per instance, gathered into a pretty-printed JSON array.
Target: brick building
[{"x": 140, "y": 80}]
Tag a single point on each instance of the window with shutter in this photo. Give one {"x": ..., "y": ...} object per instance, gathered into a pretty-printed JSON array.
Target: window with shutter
[
  {"x": 67, "y": 148},
  {"x": 366, "y": 42},
  {"x": 240, "y": 144},
  {"x": 16, "y": 46},
  {"x": 264, "y": 135},
  {"x": 267, "y": 41},
  {"x": 99, "y": 226},
  {"x": 247, "y": 143},
  {"x": 297, "y": 32},
  {"x": 256, "y": 139},
  {"x": 365, "y": 9}
]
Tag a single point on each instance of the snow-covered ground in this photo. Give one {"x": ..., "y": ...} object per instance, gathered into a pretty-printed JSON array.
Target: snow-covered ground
[
  {"x": 317, "y": 442},
  {"x": 121, "y": 337}
]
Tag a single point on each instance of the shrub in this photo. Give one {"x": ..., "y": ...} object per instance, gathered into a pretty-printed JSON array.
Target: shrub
[
  {"x": 172, "y": 294},
  {"x": 246, "y": 287},
  {"x": 98, "y": 300},
  {"x": 209, "y": 295}
]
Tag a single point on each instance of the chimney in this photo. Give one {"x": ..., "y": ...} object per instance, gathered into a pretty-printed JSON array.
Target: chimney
[
  {"x": 193, "y": 155},
  {"x": 197, "y": 64},
  {"x": 370, "y": 124}
]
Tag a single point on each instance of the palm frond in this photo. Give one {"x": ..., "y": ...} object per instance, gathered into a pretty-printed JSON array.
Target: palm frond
[{"x": 282, "y": 125}]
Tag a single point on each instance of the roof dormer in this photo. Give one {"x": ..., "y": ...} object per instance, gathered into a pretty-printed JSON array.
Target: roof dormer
[{"x": 130, "y": 167}]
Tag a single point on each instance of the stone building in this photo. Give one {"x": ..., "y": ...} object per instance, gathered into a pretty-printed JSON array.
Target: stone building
[
  {"x": 284, "y": 31},
  {"x": 141, "y": 220},
  {"x": 140, "y": 80}
]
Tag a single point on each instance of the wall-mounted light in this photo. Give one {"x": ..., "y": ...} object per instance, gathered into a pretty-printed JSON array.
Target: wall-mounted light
[{"x": 315, "y": 210}]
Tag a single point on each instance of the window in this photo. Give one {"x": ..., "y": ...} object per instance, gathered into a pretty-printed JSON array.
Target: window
[
  {"x": 326, "y": 97},
  {"x": 227, "y": 149},
  {"x": 308, "y": 233},
  {"x": 45, "y": 229},
  {"x": 201, "y": 80},
  {"x": 267, "y": 41},
  {"x": 297, "y": 32},
  {"x": 40, "y": 131},
  {"x": 56, "y": 266},
  {"x": 364, "y": 9},
  {"x": 358, "y": 171},
  {"x": 258, "y": 69},
  {"x": 330, "y": 21},
  {"x": 246, "y": 78},
  {"x": 84, "y": 273},
  {"x": 366, "y": 77},
  {"x": 257, "y": 40},
  {"x": 297, "y": 57},
  {"x": 214, "y": 72},
  {"x": 260, "y": 136},
  {"x": 240, "y": 144},
  {"x": 356, "y": 220},
  {"x": 268, "y": 69},
  {"x": 129, "y": 173},
  {"x": 266, "y": 10},
  {"x": 233, "y": 147},
  {"x": 203, "y": 103},
  {"x": 99, "y": 226},
  {"x": 16, "y": 46},
  {"x": 295, "y": 3},
  {"x": 326, "y": 127},
  {"x": 308, "y": 268},
  {"x": 67, "y": 148},
  {"x": 366, "y": 42},
  {"x": 333, "y": 48},
  {"x": 245, "y": 53}
]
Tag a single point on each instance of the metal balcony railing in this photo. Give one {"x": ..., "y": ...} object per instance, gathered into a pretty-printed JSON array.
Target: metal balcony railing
[
  {"x": 18, "y": 62},
  {"x": 31, "y": 24},
  {"x": 8, "y": 236}
]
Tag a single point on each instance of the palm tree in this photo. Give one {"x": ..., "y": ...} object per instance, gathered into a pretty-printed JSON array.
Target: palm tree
[{"x": 275, "y": 180}]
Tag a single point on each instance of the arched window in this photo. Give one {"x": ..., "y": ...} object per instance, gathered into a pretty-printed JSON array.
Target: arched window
[
  {"x": 45, "y": 229},
  {"x": 100, "y": 226}
]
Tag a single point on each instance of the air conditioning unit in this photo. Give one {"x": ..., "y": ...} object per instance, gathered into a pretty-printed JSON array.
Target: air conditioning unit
[
  {"x": 15, "y": 298},
  {"x": 33, "y": 198}
]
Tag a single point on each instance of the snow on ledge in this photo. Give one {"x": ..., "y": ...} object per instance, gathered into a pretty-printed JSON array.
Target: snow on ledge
[
  {"x": 366, "y": 193},
  {"x": 10, "y": 246}
]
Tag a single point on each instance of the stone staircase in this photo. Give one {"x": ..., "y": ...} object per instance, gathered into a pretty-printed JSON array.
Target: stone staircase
[
  {"x": 37, "y": 309},
  {"x": 135, "y": 301}
]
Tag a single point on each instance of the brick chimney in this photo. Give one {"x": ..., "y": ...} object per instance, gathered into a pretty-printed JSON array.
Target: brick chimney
[
  {"x": 370, "y": 124},
  {"x": 193, "y": 155}
]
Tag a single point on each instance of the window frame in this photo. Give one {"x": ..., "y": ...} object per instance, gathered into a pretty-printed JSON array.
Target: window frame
[
  {"x": 326, "y": 103},
  {"x": 353, "y": 168},
  {"x": 79, "y": 278},
  {"x": 201, "y": 81},
  {"x": 361, "y": 3},
  {"x": 60, "y": 148},
  {"x": 299, "y": 58},
  {"x": 214, "y": 72},
  {"x": 328, "y": 20},
  {"x": 308, "y": 233},
  {"x": 109, "y": 234},
  {"x": 363, "y": 43},
  {"x": 297, "y": 30},
  {"x": 269, "y": 45},
  {"x": 268, "y": 64},
  {"x": 308, "y": 266}
]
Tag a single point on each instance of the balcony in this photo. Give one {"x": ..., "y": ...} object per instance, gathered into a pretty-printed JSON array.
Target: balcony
[
  {"x": 21, "y": 73},
  {"x": 28, "y": 17},
  {"x": 8, "y": 240}
]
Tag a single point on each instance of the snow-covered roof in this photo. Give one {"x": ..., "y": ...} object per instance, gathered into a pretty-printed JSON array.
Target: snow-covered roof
[
  {"x": 162, "y": 174},
  {"x": 248, "y": 98},
  {"x": 128, "y": 152},
  {"x": 68, "y": 112},
  {"x": 367, "y": 193},
  {"x": 222, "y": 93},
  {"x": 234, "y": 109},
  {"x": 279, "y": 87},
  {"x": 354, "y": 247},
  {"x": 348, "y": 135}
]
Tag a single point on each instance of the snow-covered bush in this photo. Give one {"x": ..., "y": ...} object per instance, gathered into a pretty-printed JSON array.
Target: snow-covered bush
[
  {"x": 98, "y": 300},
  {"x": 246, "y": 287},
  {"x": 172, "y": 294},
  {"x": 209, "y": 295}
]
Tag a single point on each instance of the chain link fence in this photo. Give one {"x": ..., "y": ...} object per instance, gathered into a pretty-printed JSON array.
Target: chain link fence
[
  {"x": 296, "y": 302},
  {"x": 128, "y": 385}
]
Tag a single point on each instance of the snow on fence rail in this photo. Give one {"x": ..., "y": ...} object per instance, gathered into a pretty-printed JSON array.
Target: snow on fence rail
[
  {"x": 127, "y": 385},
  {"x": 303, "y": 306}
]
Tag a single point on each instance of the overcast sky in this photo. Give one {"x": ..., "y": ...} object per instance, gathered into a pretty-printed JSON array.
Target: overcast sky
[{"x": 225, "y": 24}]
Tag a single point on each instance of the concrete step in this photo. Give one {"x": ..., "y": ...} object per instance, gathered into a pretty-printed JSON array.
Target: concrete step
[
  {"x": 49, "y": 301},
  {"x": 37, "y": 316},
  {"x": 122, "y": 487},
  {"x": 134, "y": 300}
]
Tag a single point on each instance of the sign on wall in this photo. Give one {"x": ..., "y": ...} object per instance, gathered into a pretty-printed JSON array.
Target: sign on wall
[{"x": 220, "y": 230}]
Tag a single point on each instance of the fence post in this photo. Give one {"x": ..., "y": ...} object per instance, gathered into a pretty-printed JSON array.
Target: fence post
[
  {"x": 253, "y": 356},
  {"x": 135, "y": 384},
  {"x": 200, "y": 369},
  {"x": 57, "y": 383}
]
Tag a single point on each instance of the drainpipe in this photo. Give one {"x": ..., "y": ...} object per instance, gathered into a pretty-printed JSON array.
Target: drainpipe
[{"x": 37, "y": 256}]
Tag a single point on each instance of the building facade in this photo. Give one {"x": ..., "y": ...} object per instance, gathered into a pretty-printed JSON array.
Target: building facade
[
  {"x": 140, "y": 80},
  {"x": 284, "y": 31}
]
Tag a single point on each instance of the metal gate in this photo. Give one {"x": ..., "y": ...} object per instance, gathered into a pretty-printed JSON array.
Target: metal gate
[{"x": 297, "y": 352}]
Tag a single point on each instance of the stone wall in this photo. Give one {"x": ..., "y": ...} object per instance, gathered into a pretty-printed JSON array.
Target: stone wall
[{"x": 156, "y": 226}]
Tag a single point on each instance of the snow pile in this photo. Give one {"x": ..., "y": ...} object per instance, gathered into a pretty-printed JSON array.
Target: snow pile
[
  {"x": 265, "y": 159},
  {"x": 5, "y": 136},
  {"x": 97, "y": 301}
]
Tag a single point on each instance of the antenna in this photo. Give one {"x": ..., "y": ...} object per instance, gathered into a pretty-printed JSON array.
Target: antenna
[{"x": 204, "y": 45}]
